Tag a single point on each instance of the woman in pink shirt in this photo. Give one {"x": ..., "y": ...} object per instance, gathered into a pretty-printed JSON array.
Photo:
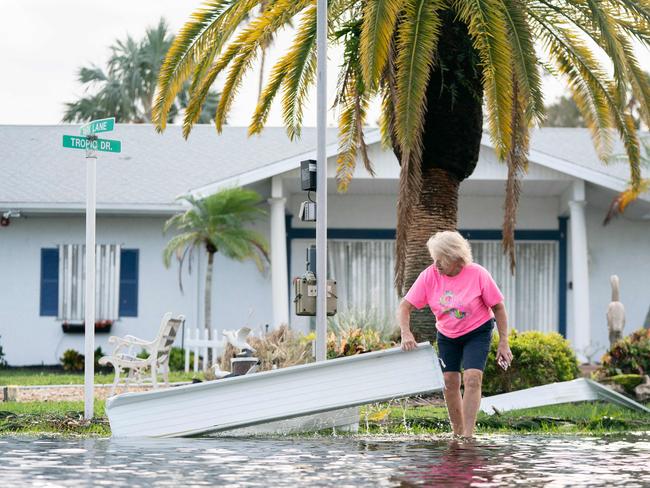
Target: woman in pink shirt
[{"x": 465, "y": 301}]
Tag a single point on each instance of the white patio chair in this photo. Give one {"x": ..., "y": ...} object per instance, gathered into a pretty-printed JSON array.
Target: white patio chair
[{"x": 124, "y": 355}]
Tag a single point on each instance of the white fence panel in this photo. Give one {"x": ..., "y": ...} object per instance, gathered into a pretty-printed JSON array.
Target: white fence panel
[{"x": 197, "y": 342}]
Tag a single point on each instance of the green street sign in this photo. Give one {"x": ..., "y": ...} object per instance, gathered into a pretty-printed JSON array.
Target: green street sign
[
  {"x": 106, "y": 145},
  {"x": 99, "y": 125}
]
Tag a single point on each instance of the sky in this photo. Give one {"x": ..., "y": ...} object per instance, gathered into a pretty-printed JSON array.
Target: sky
[{"x": 43, "y": 43}]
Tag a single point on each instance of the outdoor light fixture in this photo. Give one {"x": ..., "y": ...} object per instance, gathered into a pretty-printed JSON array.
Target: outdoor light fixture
[
  {"x": 307, "y": 212},
  {"x": 5, "y": 220}
]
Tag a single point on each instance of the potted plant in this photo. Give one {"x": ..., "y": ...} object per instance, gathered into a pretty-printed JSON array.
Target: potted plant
[{"x": 101, "y": 327}]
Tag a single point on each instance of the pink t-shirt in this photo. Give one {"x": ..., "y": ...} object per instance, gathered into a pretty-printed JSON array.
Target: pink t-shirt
[{"x": 460, "y": 303}]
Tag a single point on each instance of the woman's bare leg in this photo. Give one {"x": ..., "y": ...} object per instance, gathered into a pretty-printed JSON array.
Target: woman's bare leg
[
  {"x": 454, "y": 401},
  {"x": 472, "y": 379}
]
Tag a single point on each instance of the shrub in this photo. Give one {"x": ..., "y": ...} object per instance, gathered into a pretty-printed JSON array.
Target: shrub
[
  {"x": 72, "y": 361},
  {"x": 630, "y": 355},
  {"x": 177, "y": 359},
  {"x": 538, "y": 358},
  {"x": 356, "y": 332}
]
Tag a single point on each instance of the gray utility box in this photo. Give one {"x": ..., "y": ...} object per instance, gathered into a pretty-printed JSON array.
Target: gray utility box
[{"x": 305, "y": 296}]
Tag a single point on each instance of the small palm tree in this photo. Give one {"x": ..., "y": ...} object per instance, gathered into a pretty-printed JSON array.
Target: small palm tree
[{"x": 218, "y": 222}]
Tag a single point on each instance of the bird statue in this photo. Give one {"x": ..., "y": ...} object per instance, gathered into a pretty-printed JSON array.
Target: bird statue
[
  {"x": 218, "y": 372},
  {"x": 238, "y": 338},
  {"x": 615, "y": 313}
]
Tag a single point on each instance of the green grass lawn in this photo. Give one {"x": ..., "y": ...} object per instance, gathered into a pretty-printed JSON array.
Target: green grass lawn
[
  {"x": 66, "y": 418},
  {"x": 32, "y": 377},
  {"x": 585, "y": 417}
]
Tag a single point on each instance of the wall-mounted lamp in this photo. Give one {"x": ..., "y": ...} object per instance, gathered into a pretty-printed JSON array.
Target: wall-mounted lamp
[{"x": 5, "y": 220}]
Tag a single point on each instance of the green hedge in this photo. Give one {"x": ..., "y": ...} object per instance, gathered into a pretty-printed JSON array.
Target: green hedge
[{"x": 538, "y": 358}]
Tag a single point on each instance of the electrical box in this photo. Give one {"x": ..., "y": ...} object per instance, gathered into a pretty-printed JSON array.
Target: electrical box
[
  {"x": 308, "y": 175},
  {"x": 305, "y": 295}
]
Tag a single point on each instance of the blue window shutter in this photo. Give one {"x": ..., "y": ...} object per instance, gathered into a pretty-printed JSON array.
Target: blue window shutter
[
  {"x": 49, "y": 281},
  {"x": 129, "y": 282}
]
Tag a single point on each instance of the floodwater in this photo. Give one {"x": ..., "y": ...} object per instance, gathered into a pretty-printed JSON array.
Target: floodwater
[{"x": 406, "y": 461}]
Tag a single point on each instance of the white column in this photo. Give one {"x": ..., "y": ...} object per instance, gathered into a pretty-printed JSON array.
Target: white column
[
  {"x": 580, "y": 271},
  {"x": 279, "y": 276}
]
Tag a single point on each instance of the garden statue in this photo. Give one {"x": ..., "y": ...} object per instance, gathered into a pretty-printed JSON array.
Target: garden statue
[{"x": 615, "y": 313}]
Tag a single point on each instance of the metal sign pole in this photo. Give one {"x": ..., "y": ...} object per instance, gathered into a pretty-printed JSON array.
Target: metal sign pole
[
  {"x": 321, "y": 181},
  {"x": 91, "y": 143},
  {"x": 89, "y": 345}
]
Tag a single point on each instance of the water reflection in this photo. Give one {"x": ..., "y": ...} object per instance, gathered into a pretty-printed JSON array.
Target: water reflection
[{"x": 328, "y": 461}]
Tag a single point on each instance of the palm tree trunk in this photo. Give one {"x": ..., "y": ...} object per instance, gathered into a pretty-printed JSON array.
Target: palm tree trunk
[
  {"x": 451, "y": 142},
  {"x": 435, "y": 211},
  {"x": 208, "y": 305}
]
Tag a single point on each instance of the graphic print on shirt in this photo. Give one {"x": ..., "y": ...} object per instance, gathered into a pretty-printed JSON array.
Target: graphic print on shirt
[{"x": 450, "y": 306}]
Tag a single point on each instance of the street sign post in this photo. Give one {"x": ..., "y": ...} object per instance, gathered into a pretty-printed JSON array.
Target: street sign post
[
  {"x": 99, "y": 125},
  {"x": 106, "y": 145},
  {"x": 91, "y": 143}
]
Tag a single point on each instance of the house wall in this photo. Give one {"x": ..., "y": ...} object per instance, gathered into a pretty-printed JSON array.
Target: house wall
[
  {"x": 27, "y": 338},
  {"x": 621, "y": 248},
  {"x": 350, "y": 211}
]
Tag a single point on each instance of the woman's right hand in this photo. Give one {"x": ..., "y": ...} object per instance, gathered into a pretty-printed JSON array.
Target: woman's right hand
[{"x": 408, "y": 341}]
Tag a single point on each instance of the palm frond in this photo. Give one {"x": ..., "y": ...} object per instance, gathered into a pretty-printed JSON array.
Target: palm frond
[
  {"x": 576, "y": 62},
  {"x": 186, "y": 50},
  {"x": 269, "y": 92},
  {"x": 585, "y": 77},
  {"x": 489, "y": 31},
  {"x": 241, "y": 53},
  {"x": 626, "y": 197},
  {"x": 608, "y": 39},
  {"x": 301, "y": 70},
  {"x": 639, "y": 80},
  {"x": 517, "y": 162},
  {"x": 379, "y": 20},
  {"x": 178, "y": 244},
  {"x": 417, "y": 40},
  {"x": 353, "y": 114},
  {"x": 525, "y": 61}
]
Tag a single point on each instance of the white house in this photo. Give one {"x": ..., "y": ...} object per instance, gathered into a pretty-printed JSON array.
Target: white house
[{"x": 565, "y": 255}]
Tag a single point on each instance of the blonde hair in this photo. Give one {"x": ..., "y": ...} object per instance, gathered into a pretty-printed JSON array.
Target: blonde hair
[{"x": 450, "y": 246}]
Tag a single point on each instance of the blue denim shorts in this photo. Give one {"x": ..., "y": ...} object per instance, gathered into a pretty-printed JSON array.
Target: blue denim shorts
[{"x": 469, "y": 350}]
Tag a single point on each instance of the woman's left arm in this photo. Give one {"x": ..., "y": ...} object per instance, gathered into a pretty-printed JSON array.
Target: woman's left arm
[{"x": 501, "y": 317}]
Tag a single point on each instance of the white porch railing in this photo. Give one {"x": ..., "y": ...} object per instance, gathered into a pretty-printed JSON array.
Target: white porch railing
[{"x": 197, "y": 342}]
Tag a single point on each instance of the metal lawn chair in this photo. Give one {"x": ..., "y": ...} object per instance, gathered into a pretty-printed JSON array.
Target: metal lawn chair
[{"x": 124, "y": 355}]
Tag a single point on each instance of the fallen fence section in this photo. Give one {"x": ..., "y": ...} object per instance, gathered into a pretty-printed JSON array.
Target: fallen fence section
[
  {"x": 579, "y": 390},
  {"x": 280, "y": 394}
]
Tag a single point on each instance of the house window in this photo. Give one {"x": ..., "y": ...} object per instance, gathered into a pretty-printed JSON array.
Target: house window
[
  {"x": 72, "y": 281},
  {"x": 530, "y": 295},
  {"x": 363, "y": 271},
  {"x": 63, "y": 282}
]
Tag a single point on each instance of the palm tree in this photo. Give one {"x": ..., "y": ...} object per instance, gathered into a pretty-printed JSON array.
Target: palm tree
[
  {"x": 435, "y": 64},
  {"x": 126, "y": 88},
  {"x": 217, "y": 223}
]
